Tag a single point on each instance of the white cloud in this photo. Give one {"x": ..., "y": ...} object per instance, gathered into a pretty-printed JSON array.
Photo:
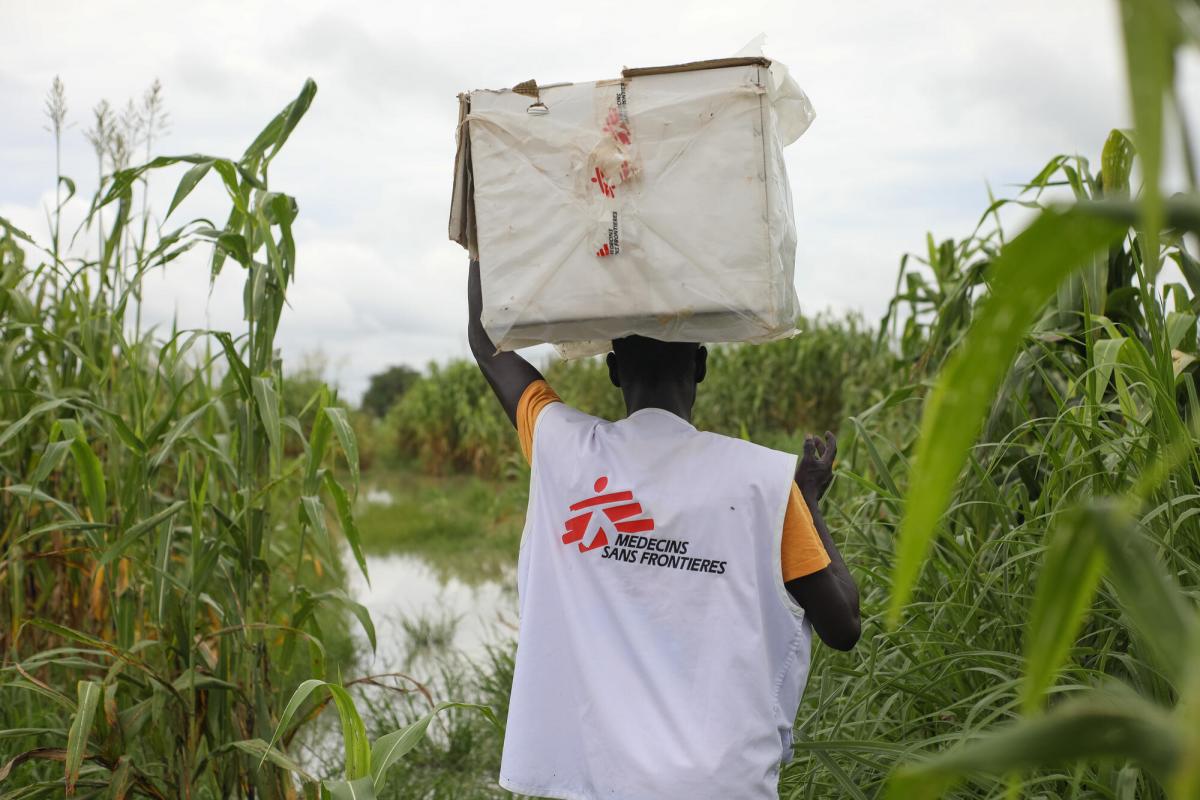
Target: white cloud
[{"x": 919, "y": 109}]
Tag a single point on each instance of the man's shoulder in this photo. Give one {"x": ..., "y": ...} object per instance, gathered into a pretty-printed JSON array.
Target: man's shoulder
[
  {"x": 745, "y": 446},
  {"x": 562, "y": 415}
]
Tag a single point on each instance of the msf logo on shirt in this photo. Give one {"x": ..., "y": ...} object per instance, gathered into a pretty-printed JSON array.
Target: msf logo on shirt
[{"x": 603, "y": 514}]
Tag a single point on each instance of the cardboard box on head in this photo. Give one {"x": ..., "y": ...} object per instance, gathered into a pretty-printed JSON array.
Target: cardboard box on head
[{"x": 655, "y": 204}]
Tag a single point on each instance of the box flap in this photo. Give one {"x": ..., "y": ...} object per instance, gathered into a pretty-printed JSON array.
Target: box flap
[
  {"x": 691, "y": 66},
  {"x": 462, "y": 200}
]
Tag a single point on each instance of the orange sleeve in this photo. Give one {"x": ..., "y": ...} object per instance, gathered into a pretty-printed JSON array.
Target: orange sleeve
[
  {"x": 802, "y": 551},
  {"x": 534, "y": 399}
]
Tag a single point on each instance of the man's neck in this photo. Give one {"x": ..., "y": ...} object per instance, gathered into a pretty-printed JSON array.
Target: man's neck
[{"x": 678, "y": 403}]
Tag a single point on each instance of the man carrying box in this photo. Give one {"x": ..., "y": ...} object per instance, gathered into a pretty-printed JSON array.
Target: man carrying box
[{"x": 668, "y": 581}]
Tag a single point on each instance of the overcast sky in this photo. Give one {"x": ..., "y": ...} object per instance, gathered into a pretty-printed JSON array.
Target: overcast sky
[{"x": 920, "y": 106}]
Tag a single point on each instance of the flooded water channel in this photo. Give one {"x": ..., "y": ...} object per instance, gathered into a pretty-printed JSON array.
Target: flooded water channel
[
  {"x": 417, "y": 611},
  {"x": 445, "y": 617},
  {"x": 424, "y": 610}
]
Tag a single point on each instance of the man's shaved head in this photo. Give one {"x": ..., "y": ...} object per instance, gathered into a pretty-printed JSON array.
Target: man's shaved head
[{"x": 640, "y": 361}]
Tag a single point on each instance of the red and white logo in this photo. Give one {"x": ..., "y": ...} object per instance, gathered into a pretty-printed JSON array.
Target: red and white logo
[
  {"x": 616, "y": 124},
  {"x": 613, "y": 246},
  {"x": 618, "y": 513},
  {"x": 601, "y": 180}
]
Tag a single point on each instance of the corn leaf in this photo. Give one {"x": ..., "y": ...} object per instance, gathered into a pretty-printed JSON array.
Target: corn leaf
[
  {"x": 345, "y": 513},
  {"x": 1098, "y": 726},
  {"x": 1116, "y": 163},
  {"x": 1151, "y": 31},
  {"x": 177, "y": 431},
  {"x": 389, "y": 749},
  {"x": 23, "y": 490},
  {"x": 298, "y": 697},
  {"x": 91, "y": 476},
  {"x": 1107, "y": 353},
  {"x": 46, "y": 691},
  {"x": 16, "y": 232},
  {"x": 318, "y": 443},
  {"x": 354, "y": 733},
  {"x": 345, "y": 435},
  {"x": 1161, "y": 616},
  {"x": 1070, "y": 574},
  {"x": 122, "y": 779},
  {"x": 1186, "y": 781},
  {"x": 136, "y": 531},
  {"x": 190, "y": 178},
  {"x": 267, "y": 401},
  {"x": 51, "y": 458},
  {"x": 361, "y": 789},
  {"x": 18, "y": 733},
  {"x": 310, "y": 602},
  {"x": 237, "y": 367},
  {"x": 89, "y": 693},
  {"x": 293, "y": 114},
  {"x": 314, "y": 513},
  {"x": 41, "y": 408},
  {"x": 264, "y": 751}
]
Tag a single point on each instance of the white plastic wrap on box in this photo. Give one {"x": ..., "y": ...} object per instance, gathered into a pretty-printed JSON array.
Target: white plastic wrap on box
[{"x": 655, "y": 204}]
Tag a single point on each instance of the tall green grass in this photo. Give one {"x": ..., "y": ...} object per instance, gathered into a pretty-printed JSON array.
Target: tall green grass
[
  {"x": 1125, "y": 435},
  {"x": 1007, "y": 617},
  {"x": 169, "y": 525}
]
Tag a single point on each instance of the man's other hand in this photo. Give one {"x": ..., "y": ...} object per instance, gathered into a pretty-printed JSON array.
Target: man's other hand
[
  {"x": 829, "y": 596},
  {"x": 814, "y": 473}
]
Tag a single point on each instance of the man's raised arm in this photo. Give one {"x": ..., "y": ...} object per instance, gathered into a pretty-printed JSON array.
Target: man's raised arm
[{"x": 507, "y": 373}]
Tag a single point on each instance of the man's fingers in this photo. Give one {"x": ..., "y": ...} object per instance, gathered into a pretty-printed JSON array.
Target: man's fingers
[{"x": 810, "y": 447}]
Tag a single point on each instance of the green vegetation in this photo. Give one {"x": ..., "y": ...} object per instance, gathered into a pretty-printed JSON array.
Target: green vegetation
[
  {"x": 428, "y": 635},
  {"x": 386, "y": 387},
  {"x": 461, "y": 525},
  {"x": 367, "y": 762},
  {"x": 168, "y": 563},
  {"x": 994, "y": 627},
  {"x": 1018, "y": 496},
  {"x": 459, "y": 758},
  {"x": 448, "y": 421}
]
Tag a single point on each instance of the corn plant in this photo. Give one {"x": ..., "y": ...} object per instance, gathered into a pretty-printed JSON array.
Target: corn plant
[{"x": 164, "y": 526}]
